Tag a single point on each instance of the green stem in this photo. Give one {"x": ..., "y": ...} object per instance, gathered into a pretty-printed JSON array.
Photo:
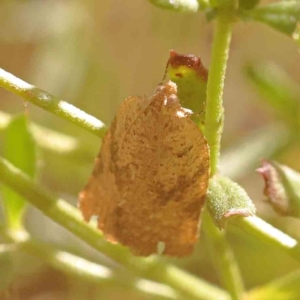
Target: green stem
[
  {"x": 214, "y": 103},
  {"x": 69, "y": 217},
  {"x": 85, "y": 270},
  {"x": 223, "y": 258},
  {"x": 269, "y": 234},
  {"x": 221, "y": 252},
  {"x": 50, "y": 103}
]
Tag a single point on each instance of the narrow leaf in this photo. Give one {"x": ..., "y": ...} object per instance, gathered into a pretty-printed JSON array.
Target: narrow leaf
[
  {"x": 226, "y": 199},
  {"x": 20, "y": 150},
  {"x": 278, "y": 89},
  {"x": 282, "y": 16},
  {"x": 177, "y": 5},
  {"x": 282, "y": 187}
]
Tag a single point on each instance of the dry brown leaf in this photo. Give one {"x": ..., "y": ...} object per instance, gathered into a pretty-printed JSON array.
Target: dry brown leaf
[{"x": 151, "y": 176}]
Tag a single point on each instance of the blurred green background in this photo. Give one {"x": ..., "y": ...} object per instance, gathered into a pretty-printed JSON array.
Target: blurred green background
[{"x": 94, "y": 54}]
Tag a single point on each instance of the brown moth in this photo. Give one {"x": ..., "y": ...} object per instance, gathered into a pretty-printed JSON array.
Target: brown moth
[{"x": 151, "y": 176}]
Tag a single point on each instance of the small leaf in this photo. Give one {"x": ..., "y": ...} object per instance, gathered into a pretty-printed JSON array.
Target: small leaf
[
  {"x": 20, "y": 150},
  {"x": 178, "y": 5},
  {"x": 277, "y": 89},
  {"x": 226, "y": 199},
  {"x": 190, "y": 76},
  {"x": 282, "y": 16},
  {"x": 282, "y": 187}
]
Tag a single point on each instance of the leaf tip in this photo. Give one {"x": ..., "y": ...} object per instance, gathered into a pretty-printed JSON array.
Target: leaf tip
[
  {"x": 190, "y": 61},
  {"x": 282, "y": 187}
]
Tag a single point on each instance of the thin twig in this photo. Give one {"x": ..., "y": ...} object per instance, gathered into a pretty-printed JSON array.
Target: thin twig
[
  {"x": 50, "y": 103},
  {"x": 222, "y": 254}
]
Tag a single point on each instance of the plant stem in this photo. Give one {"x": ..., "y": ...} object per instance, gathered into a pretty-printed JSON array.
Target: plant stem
[
  {"x": 50, "y": 103},
  {"x": 69, "y": 217},
  {"x": 269, "y": 234},
  {"x": 221, "y": 252},
  {"x": 84, "y": 269},
  {"x": 223, "y": 258},
  {"x": 214, "y": 103}
]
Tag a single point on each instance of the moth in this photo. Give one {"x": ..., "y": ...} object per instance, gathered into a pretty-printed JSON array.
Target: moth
[{"x": 151, "y": 176}]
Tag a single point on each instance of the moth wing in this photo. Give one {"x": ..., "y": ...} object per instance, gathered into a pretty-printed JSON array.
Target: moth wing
[
  {"x": 163, "y": 179},
  {"x": 101, "y": 196}
]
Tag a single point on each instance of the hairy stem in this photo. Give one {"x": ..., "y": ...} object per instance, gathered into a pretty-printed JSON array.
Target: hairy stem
[
  {"x": 50, "y": 103},
  {"x": 69, "y": 217},
  {"x": 214, "y": 103},
  {"x": 222, "y": 254}
]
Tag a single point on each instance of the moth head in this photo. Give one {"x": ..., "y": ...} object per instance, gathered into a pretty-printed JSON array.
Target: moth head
[
  {"x": 170, "y": 88},
  {"x": 167, "y": 88},
  {"x": 172, "y": 101},
  {"x": 168, "y": 92},
  {"x": 159, "y": 89}
]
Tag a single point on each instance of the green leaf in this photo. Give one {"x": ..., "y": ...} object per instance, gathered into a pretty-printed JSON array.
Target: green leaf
[
  {"x": 282, "y": 187},
  {"x": 282, "y": 16},
  {"x": 20, "y": 150},
  {"x": 278, "y": 90},
  {"x": 187, "y": 71},
  {"x": 178, "y": 5},
  {"x": 226, "y": 199}
]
